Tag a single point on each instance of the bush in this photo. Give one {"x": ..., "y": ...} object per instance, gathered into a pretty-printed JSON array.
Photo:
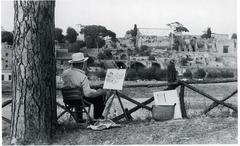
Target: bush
[
  {"x": 146, "y": 74},
  {"x": 144, "y": 50},
  {"x": 143, "y": 74},
  {"x": 220, "y": 73},
  {"x": 131, "y": 75},
  {"x": 162, "y": 47},
  {"x": 199, "y": 74},
  {"x": 161, "y": 75},
  {"x": 107, "y": 54},
  {"x": 212, "y": 74},
  {"x": 184, "y": 61},
  {"x": 151, "y": 57},
  {"x": 227, "y": 74},
  {"x": 187, "y": 74}
]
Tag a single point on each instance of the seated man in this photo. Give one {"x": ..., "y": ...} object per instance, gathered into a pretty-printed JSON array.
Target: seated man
[{"x": 75, "y": 77}]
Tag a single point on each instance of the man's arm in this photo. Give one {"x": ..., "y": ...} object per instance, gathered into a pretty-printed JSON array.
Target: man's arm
[{"x": 91, "y": 93}]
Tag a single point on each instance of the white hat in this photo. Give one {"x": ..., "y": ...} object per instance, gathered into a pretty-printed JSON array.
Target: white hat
[{"x": 77, "y": 58}]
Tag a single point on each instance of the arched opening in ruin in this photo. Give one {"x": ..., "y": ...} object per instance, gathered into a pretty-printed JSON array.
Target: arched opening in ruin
[
  {"x": 137, "y": 66},
  {"x": 121, "y": 65},
  {"x": 156, "y": 65}
]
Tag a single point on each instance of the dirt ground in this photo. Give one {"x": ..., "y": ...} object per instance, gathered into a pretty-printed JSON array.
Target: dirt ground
[
  {"x": 201, "y": 130},
  {"x": 218, "y": 127},
  {"x": 194, "y": 131}
]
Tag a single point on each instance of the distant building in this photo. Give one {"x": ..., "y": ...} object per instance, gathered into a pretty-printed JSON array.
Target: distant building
[
  {"x": 120, "y": 54},
  {"x": 219, "y": 43},
  {"x": 6, "y": 56},
  {"x": 220, "y": 36},
  {"x": 6, "y": 62},
  {"x": 222, "y": 44},
  {"x": 62, "y": 58},
  {"x": 226, "y": 46},
  {"x": 154, "y": 41}
]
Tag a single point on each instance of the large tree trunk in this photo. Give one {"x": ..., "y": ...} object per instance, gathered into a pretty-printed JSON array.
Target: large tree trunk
[{"x": 34, "y": 81}]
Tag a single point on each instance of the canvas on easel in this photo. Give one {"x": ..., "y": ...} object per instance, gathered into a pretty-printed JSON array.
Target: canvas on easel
[
  {"x": 169, "y": 97},
  {"x": 114, "y": 79}
]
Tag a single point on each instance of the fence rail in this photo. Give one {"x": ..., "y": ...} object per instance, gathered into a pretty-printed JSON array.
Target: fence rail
[
  {"x": 182, "y": 85},
  {"x": 136, "y": 85}
]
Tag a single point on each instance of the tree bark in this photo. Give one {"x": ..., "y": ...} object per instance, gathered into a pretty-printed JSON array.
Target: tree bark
[{"x": 34, "y": 81}]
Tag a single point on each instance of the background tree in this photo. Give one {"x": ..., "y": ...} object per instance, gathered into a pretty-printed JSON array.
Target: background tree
[
  {"x": 207, "y": 34},
  {"x": 34, "y": 73},
  {"x": 93, "y": 35},
  {"x": 200, "y": 43},
  {"x": 94, "y": 43},
  {"x": 178, "y": 29},
  {"x": 134, "y": 30},
  {"x": 112, "y": 35},
  {"x": 176, "y": 42},
  {"x": 199, "y": 73},
  {"x": 234, "y": 36},
  {"x": 76, "y": 46},
  {"x": 133, "y": 34},
  {"x": 7, "y": 37},
  {"x": 58, "y": 35},
  {"x": 107, "y": 54},
  {"x": 90, "y": 42},
  {"x": 71, "y": 35}
]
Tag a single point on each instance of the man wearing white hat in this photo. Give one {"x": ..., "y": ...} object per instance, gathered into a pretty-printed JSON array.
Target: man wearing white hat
[{"x": 75, "y": 77}]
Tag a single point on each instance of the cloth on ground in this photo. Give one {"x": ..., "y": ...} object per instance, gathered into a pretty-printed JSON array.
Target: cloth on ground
[{"x": 103, "y": 124}]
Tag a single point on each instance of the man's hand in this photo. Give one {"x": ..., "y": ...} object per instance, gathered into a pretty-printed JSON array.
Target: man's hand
[{"x": 102, "y": 91}]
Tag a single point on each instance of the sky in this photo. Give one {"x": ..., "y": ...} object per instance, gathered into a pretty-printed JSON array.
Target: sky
[{"x": 121, "y": 15}]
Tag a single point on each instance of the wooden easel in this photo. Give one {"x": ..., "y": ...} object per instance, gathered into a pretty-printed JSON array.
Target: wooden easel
[
  {"x": 126, "y": 112},
  {"x": 119, "y": 95},
  {"x": 109, "y": 104}
]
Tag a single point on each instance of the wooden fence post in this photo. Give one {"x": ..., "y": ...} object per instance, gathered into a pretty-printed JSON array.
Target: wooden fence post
[{"x": 182, "y": 104}]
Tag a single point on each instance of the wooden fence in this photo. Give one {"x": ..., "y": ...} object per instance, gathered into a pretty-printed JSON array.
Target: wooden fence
[{"x": 182, "y": 84}]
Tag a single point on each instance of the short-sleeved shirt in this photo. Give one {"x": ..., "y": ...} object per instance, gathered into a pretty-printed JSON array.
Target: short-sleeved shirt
[{"x": 74, "y": 78}]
